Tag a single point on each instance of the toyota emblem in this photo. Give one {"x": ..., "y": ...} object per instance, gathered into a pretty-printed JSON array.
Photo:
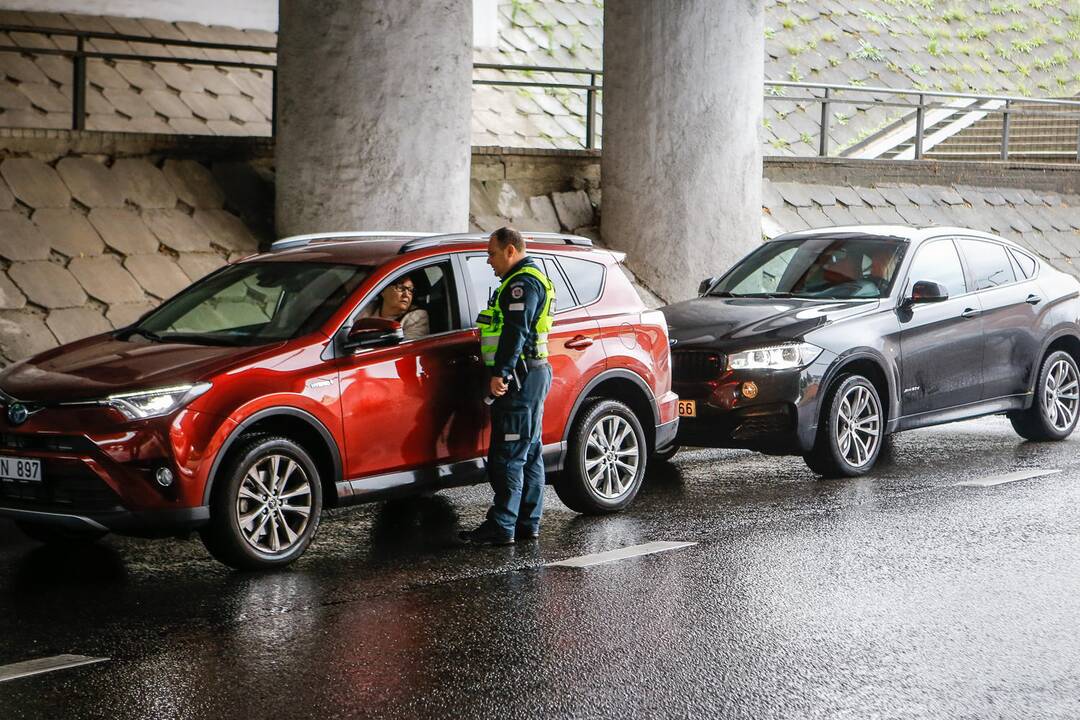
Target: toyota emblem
[{"x": 17, "y": 413}]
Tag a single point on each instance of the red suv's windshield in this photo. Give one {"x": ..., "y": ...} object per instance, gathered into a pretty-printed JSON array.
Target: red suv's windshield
[{"x": 254, "y": 303}]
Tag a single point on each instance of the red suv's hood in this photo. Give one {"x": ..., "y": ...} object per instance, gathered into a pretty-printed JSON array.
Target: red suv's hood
[{"x": 101, "y": 365}]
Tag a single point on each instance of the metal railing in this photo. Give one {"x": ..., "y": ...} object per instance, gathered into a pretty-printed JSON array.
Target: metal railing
[
  {"x": 925, "y": 101},
  {"x": 917, "y": 104},
  {"x": 80, "y": 54}
]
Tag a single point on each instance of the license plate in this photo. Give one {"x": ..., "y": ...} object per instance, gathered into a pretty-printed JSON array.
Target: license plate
[
  {"x": 16, "y": 468},
  {"x": 688, "y": 408}
]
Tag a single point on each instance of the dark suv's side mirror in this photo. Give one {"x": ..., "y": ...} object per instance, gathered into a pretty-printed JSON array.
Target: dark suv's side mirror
[
  {"x": 372, "y": 332},
  {"x": 928, "y": 291},
  {"x": 706, "y": 284}
]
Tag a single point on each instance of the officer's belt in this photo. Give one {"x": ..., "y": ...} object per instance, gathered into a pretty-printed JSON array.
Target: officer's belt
[{"x": 536, "y": 362}]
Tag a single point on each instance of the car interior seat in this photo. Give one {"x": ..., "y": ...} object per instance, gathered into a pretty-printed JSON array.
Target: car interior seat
[{"x": 436, "y": 300}]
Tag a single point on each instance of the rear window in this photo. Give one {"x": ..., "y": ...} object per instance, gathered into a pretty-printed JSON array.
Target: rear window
[
  {"x": 586, "y": 277},
  {"x": 1026, "y": 262},
  {"x": 989, "y": 263}
]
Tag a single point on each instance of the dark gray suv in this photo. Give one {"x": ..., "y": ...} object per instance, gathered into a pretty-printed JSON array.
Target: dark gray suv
[{"x": 820, "y": 343}]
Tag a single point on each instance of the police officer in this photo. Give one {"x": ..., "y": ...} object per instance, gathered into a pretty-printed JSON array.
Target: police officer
[{"x": 513, "y": 338}]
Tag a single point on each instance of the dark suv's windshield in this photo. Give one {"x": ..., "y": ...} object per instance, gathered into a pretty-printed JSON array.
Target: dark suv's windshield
[
  {"x": 254, "y": 303},
  {"x": 842, "y": 268}
]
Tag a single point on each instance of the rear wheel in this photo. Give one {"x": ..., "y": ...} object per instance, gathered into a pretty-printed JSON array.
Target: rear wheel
[
  {"x": 54, "y": 535},
  {"x": 266, "y": 506},
  {"x": 1053, "y": 412},
  {"x": 605, "y": 459},
  {"x": 851, "y": 430}
]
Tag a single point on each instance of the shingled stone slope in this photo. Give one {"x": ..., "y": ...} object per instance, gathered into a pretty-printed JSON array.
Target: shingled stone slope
[
  {"x": 1026, "y": 47},
  {"x": 1048, "y": 224},
  {"x": 131, "y": 96},
  {"x": 88, "y": 244}
]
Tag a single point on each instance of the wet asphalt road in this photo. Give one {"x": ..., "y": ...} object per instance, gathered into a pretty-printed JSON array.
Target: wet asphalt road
[{"x": 896, "y": 595}]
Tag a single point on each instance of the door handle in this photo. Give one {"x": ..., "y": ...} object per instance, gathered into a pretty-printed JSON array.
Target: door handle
[
  {"x": 1033, "y": 299},
  {"x": 580, "y": 342},
  {"x": 969, "y": 313}
]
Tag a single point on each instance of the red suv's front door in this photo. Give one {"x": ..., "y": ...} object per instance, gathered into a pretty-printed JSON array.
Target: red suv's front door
[
  {"x": 418, "y": 404},
  {"x": 411, "y": 407}
]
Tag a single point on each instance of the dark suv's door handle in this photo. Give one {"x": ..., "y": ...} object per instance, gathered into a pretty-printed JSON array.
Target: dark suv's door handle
[
  {"x": 969, "y": 313},
  {"x": 1033, "y": 299},
  {"x": 580, "y": 342}
]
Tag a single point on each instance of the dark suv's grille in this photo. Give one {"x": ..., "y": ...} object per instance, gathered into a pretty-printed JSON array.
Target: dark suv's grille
[{"x": 696, "y": 366}]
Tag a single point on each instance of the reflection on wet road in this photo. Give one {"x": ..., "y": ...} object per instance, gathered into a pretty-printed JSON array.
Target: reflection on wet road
[{"x": 902, "y": 594}]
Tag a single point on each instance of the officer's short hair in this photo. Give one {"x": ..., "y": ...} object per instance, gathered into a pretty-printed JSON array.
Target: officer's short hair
[{"x": 509, "y": 236}]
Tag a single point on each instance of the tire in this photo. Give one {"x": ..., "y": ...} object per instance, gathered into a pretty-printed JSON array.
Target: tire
[
  {"x": 55, "y": 535},
  {"x": 245, "y": 531},
  {"x": 667, "y": 453},
  {"x": 837, "y": 451},
  {"x": 1054, "y": 410},
  {"x": 615, "y": 483}
]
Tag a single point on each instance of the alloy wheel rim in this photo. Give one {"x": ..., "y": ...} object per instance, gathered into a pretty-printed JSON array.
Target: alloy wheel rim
[
  {"x": 1061, "y": 395},
  {"x": 858, "y": 426},
  {"x": 612, "y": 457},
  {"x": 273, "y": 507}
]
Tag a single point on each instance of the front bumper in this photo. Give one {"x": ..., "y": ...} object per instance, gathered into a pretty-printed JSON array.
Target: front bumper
[
  {"x": 781, "y": 419},
  {"x": 148, "y": 523},
  {"x": 98, "y": 473}
]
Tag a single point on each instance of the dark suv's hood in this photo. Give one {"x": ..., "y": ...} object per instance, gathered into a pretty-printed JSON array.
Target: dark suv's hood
[
  {"x": 716, "y": 321},
  {"x": 101, "y": 365}
]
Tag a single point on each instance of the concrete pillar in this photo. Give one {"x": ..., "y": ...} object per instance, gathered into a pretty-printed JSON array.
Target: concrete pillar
[
  {"x": 681, "y": 167},
  {"x": 374, "y": 106}
]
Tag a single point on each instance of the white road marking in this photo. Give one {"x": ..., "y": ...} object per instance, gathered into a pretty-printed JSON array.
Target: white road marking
[
  {"x": 620, "y": 554},
  {"x": 44, "y": 665},
  {"x": 1011, "y": 477}
]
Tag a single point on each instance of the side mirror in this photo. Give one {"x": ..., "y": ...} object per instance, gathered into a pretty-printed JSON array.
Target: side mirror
[
  {"x": 371, "y": 332},
  {"x": 706, "y": 284},
  {"x": 928, "y": 291}
]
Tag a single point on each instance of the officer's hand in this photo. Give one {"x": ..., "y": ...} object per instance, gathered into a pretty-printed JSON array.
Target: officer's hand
[{"x": 499, "y": 386}]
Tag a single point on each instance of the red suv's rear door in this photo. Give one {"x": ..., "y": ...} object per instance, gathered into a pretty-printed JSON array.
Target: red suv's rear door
[{"x": 575, "y": 350}]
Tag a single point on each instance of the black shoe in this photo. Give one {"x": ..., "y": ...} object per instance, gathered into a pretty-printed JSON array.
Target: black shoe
[
  {"x": 524, "y": 533},
  {"x": 485, "y": 535}
]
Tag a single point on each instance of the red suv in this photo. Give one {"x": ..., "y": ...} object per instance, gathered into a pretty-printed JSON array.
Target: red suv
[{"x": 273, "y": 388}]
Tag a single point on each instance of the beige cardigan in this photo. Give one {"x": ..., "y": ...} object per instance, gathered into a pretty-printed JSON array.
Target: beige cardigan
[{"x": 414, "y": 324}]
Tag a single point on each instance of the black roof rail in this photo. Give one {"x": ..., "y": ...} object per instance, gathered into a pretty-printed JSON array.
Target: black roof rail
[
  {"x": 301, "y": 240},
  {"x": 433, "y": 240}
]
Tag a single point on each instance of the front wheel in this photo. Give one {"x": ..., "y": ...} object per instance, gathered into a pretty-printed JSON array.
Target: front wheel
[
  {"x": 605, "y": 460},
  {"x": 1053, "y": 412},
  {"x": 266, "y": 508},
  {"x": 55, "y": 535},
  {"x": 851, "y": 430}
]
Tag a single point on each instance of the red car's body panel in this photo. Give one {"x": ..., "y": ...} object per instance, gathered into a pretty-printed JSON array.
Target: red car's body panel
[{"x": 393, "y": 417}]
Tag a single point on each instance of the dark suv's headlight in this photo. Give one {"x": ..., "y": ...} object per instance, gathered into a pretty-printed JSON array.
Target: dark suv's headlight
[{"x": 777, "y": 357}]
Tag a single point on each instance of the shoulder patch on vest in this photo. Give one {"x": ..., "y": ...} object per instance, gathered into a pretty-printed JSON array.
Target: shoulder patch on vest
[{"x": 517, "y": 292}]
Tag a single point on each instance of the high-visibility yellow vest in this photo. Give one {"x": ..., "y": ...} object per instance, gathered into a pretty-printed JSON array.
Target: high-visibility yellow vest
[{"x": 491, "y": 320}]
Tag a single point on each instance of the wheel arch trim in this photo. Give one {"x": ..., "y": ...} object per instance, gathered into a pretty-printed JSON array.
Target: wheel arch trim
[
  {"x": 887, "y": 370},
  {"x": 612, "y": 374},
  {"x": 277, "y": 411}
]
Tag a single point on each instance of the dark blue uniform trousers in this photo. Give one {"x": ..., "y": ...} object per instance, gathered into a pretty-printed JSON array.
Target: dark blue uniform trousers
[{"x": 515, "y": 460}]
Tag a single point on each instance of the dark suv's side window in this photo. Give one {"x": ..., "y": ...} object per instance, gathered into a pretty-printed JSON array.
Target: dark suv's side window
[
  {"x": 989, "y": 262},
  {"x": 1025, "y": 262},
  {"x": 587, "y": 278},
  {"x": 939, "y": 262}
]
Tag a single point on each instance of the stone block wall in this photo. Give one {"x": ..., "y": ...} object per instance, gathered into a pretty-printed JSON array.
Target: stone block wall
[{"x": 89, "y": 243}]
